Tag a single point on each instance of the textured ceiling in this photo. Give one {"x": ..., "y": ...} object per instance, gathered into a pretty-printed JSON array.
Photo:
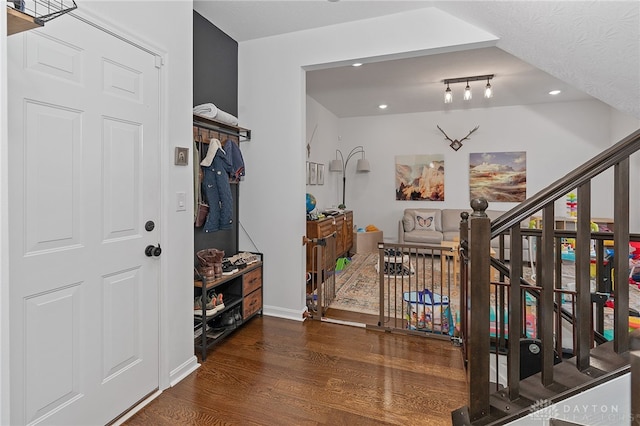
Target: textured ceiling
[{"x": 593, "y": 46}]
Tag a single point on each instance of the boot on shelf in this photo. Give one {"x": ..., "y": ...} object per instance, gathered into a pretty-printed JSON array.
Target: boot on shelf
[
  {"x": 217, "y": 262},
  {"x": 210, "y": 263}
]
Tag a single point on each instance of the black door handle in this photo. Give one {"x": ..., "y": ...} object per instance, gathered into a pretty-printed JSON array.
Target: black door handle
[{"x": 153, "y": 250}]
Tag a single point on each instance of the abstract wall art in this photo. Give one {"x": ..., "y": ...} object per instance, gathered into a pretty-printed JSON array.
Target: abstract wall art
[
  {"x": 420, "y": 177},
  {"x": 498, "y": 176}
]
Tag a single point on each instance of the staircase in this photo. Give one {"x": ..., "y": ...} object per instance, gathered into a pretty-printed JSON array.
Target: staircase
[{"x": 538, "y": 368}]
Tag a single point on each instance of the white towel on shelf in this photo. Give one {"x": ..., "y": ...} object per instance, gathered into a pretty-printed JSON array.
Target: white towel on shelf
[{"x": 209, "y": 110}]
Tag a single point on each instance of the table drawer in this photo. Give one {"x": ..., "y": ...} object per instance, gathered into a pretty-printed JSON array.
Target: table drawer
[
  {"x": 252, "y": 281},
  {"x": 251, "y": 304}
]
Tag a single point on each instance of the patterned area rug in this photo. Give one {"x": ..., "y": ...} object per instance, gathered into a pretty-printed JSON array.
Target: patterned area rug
[{"x": 357, "y": 286}]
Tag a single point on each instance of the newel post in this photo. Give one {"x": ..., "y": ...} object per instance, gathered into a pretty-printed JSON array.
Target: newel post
[{"x": 479, "y": 292}]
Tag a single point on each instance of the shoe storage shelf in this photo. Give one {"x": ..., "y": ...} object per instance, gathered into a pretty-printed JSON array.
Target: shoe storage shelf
[{"x": 242, "y": 297}]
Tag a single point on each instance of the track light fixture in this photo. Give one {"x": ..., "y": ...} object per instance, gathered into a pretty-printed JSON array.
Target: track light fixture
[{"x": 488, "y": 90}]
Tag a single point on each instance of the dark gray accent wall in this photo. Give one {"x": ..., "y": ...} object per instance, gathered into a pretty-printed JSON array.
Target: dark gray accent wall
[
  {"x": 215, "y": 79},
  {"x": 215, "y": 66}
]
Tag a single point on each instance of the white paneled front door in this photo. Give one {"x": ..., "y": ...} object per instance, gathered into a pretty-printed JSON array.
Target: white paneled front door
[{"x": 83, "y": 182}]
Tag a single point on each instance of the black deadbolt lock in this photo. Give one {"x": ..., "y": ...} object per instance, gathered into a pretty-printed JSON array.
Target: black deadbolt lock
[{"x": 149, "y": 225}]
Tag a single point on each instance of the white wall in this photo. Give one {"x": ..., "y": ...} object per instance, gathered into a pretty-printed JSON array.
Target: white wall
[
  {"x": 323, "y": 150},
  {"x": 622, "y": 125},
  {"x": 271, "y": 100},
  {"x": 557, "y": 138},
  {"x": 4, "y": 230},
  {"x": 176, "y": 340}
]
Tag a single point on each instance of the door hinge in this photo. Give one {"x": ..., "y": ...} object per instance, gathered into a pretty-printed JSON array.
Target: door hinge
[{"x": 159, "y": 61}]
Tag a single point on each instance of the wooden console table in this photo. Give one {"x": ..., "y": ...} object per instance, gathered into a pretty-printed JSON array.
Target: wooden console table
[{"x": 342, "y": 225}]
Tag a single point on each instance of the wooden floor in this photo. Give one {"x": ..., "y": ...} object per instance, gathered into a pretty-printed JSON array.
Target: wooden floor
[{"x": 280, "y": 372}]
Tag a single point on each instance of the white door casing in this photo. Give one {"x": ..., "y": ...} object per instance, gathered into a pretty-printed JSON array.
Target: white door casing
[{"x": 84, "y": 178}]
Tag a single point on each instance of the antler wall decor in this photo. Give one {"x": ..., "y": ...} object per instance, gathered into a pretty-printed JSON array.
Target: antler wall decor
[{"x": 455, "y": 143}]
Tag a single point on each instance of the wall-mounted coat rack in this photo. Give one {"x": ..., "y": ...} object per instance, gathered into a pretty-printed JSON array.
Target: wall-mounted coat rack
[
  {"x": 23, "y": 15},
  {"x": 220, "y": 127}
]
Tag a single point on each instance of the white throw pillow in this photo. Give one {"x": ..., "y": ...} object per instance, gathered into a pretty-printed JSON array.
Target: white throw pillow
[{"x": 426, "y": 221}]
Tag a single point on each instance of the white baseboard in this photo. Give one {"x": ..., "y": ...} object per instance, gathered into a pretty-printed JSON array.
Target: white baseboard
[
  {"x": 275, "y": 311},
  {"x": 182, "y": 371}
]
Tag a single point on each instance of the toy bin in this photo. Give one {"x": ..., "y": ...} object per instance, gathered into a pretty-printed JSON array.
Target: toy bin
[{"x": 427, "y": 311}]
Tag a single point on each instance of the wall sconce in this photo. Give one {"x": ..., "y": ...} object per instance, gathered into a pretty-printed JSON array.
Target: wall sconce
[
  {"x": 340, "y": 165},
  {"x": 488, "y": 91}
]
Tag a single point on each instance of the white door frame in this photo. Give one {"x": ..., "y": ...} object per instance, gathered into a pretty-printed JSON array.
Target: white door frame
[
  {"x": 4, "y": 229},
  {"x": 122, "y": 34}
]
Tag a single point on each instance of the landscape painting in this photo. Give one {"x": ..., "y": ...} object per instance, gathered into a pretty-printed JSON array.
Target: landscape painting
[
  {"x": 420, "y": 177},
  {"x": 498, "y": 176}
]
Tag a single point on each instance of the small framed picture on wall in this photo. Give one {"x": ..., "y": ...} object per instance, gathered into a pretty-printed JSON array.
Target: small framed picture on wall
[
  {"x": 312, "y": 172},
  {"x": 320, "y": 174}
]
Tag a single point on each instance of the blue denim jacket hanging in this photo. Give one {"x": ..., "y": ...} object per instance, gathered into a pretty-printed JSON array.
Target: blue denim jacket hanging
[
  {"x": 235, "y": 156},
  {"x": 217, "y": 189}
]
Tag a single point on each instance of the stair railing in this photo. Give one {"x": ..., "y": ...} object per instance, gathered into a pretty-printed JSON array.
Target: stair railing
[{"x": 476, "y": 235}]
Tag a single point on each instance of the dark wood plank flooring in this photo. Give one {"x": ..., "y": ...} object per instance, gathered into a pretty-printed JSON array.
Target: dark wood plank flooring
[
  {"x": 279, "y": 372},
  {"x": 349, "y": 316}
]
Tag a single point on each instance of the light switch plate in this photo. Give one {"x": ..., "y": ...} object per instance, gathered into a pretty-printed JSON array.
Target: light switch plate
[{"x": 181, "y": 201}]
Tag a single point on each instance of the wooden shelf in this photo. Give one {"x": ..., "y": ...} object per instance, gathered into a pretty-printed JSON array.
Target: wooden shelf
[
  {"x": 219, "y": 126},
  {"x": 223, "y": 279},
  {"x": 570, "y": 223},
  {"x": 18, "y": 21}
]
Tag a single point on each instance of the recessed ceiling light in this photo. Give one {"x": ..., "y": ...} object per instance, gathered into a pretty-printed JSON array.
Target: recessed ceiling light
[
  {"x": 383, "y": 106},
  {"x": 357, "y": 64},
  {"x": 555, "y": 92}
]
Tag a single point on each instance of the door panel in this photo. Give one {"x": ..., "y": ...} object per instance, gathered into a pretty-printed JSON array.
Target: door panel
[
  {"x": 122, "y": 332},
  {"x": 122, "y": 178},
  {"x": 83, "y": 180},
  {"x": 53, "y": 57},
  {"x": 58, "y": 310},
  {"x": 52, "y": 194}
]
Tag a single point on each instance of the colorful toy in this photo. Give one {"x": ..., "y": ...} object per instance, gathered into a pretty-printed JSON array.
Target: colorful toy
[
  {"x": 634, "y": 323},
  {"x": 530, "y": 323},
  {"x": 342, "y": 263},
  {"x": 572, "y": 205},
  {"x": 634, "y": 275}
]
